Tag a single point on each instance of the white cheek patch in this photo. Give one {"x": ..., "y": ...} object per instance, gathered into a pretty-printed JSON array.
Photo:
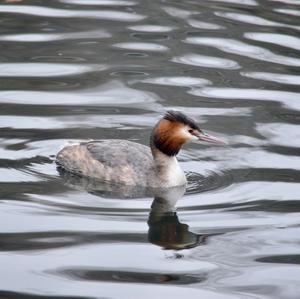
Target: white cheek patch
[
  {"x": 194, "y": 138},
  {"x": 187, "y": 135}
]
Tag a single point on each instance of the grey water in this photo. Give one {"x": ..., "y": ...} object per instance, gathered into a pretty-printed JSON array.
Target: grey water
[{"x": 73, "y": 70}]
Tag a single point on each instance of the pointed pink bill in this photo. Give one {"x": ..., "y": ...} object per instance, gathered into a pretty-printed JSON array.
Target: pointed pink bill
[{"x": 210, "y": 139}]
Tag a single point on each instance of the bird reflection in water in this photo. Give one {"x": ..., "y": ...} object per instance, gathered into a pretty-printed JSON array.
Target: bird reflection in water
[{"x": 165, "y": 229}]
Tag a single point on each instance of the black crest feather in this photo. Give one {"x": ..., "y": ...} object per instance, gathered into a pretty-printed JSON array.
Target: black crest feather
[{"x": 177, "y": 116}]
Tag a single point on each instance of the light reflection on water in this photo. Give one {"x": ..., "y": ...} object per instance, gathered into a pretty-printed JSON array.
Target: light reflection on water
[{"x": 79, "y": 69}]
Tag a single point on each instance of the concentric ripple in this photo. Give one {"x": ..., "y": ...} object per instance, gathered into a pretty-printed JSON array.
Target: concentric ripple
[{"x": 198, "y": 183}]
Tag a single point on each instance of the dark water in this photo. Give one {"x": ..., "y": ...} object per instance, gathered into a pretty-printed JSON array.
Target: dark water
[{"x": 80, "y": 69}]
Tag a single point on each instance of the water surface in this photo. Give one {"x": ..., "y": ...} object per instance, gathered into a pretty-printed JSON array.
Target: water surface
[{"x": 85, "y": 69}]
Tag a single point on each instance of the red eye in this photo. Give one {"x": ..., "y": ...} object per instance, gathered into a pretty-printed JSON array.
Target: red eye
[{"x": 191, "y": 131}]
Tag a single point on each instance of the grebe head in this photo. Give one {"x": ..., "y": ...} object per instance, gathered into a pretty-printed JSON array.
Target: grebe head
[{"x": 174, "y": 130}]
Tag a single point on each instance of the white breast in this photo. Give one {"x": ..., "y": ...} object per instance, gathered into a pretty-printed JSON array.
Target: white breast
[
  {"x": 175, "y": 175},
  {"x": 169, "y": 172}
]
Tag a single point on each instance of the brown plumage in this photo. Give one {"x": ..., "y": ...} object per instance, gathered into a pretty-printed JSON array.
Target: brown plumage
[{"x": 168, "y": 138}]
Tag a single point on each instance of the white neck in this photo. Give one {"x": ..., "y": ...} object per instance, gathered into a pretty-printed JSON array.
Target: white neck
[{"x": 168, "y": 170}]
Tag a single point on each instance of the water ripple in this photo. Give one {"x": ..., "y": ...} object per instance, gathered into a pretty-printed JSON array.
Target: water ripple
[
  {"x": 196, "y": 112},
  {"x": 204, "y": 25},
  {"x": 141, "y": 46},
  {"x": 100, "y": 2},
  {"x": 151, "y": 28},
  {"x": 280, "y": 134},
  {"x": 289, "y": 99},
  {"x": 279, "y": 78},
  {"x": 240, "y": 2},
  {"x": 82, "y": 121},
  {"x": 43, "y": 11},
  {"x": 113, "y": 93},
  {"x": 74, "y": 70},
  {"x": 274, "y": 38},
  {"x": 178, "y": 12},
  {"x": 45, "y": 69},
  {"x": 206, "y": 61},
  {"x": 218, "y": 180},
  {"x": 240, "y": 48},
  {"x": 253, "y": 20},
  {"x": 14, "y": 175},
  {"x": 198, "y": 183},
  {"x": 178, "y": 81},
  {"x": 44, "y": 37},
  {"x": 294, "y": 2},
  {"x": 291, "y": 12}
]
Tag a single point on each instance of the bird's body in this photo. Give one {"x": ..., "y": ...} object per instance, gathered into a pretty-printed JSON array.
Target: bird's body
[
  {"x": 131, "y": 163},
  {"x": 120, "y": 161}
]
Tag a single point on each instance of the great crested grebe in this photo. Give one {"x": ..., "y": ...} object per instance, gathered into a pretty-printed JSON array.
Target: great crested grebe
[{"x": 130, "y": 163}]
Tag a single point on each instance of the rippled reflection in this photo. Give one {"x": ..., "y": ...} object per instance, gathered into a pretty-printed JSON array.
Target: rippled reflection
[{"x": 165, "y": 229}]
